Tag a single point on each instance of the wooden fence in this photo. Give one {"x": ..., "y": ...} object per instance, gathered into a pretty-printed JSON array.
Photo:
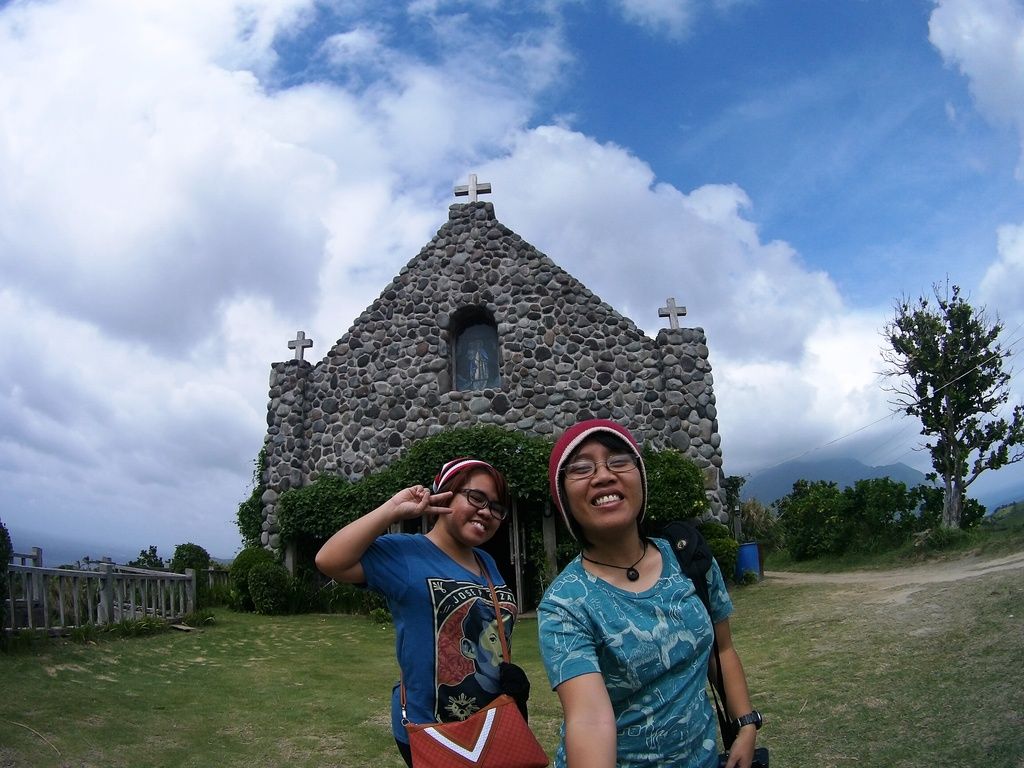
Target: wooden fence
[{"x": 59, "y": 599}]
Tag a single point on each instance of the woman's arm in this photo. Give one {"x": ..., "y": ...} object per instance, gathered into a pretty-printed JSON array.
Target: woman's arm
[
  {"x": 737, "y": 696},
  {"x": 340, "y": 556},
  {"x": 589, "y": 722}
]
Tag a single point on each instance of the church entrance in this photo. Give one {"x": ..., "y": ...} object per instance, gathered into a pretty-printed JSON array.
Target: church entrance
[{"x": 507, "y": 548}]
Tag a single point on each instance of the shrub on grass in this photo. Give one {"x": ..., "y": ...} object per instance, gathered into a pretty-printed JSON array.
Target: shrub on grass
[
  {"x": 269, "y": 587},
  {"x": 198, "y": 559},
  {"x": 244, "y": 562},
  {"x": 723, "y": 546}
]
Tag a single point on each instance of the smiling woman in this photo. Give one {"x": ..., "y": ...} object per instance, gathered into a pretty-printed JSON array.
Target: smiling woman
[
  {"x": 624, "y": 635},
  {"x": 438, "y": 588}
]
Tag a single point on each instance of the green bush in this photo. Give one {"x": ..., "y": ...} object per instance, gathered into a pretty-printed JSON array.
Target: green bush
[
  {"x": 6, "y": 550},
  {"x": 813, "y": 519},
  {"x": 675, "y": 487},
  {"x": 931, "y": 509},
  {"x": 723, "y": 546},
  {"x": 241, "y": 599},
  {"x": 347, "y": 598},
  {"x": 269, "y": 588},
  {"x": 198, "y": 559}
]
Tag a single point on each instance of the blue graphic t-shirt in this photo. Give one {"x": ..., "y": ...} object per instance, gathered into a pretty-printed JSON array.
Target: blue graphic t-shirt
[
  {"x": 445, "y": 630},
  {"x": 651, "y": 648}
]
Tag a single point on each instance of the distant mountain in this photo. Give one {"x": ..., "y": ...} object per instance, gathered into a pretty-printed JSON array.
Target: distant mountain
[{"x": 774, "y": 483}]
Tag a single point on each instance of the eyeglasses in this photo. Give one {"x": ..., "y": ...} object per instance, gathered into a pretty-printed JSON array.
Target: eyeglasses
[
  {"x": 584, "y": 468},
  {"x": 479, "y": 500}
]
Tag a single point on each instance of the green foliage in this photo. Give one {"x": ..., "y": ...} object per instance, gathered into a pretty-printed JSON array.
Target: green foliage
[
  {"x": 269, "y": 588},
  {"x": 939, "y": 538},
  {"x": 319, "y": 509},
  {"x": 932, "y": 500},
  {"x": 732, "y": 485},
  {"x": 201, "y": 618},
  {"x": 250, "y": 511},
  {"x": 760, "y": 524},
  {"x": 198, "y": 559},
  {"x": 6, "y": 550},
  {"x": 347, "y": 598},
  {"x": 675, "y": 486},
  {"x": 950, "y": 375},
  {"x": 812, "y": 519},
  {"x": 148, "y": 558},
  {"x": 244, "y": 562},
  {"x": 723, "y": 546},
  {"x": 880, "y": 515}
]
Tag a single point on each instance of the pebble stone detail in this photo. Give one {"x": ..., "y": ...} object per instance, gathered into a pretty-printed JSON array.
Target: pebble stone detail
[{"x": 565, "y": 356}]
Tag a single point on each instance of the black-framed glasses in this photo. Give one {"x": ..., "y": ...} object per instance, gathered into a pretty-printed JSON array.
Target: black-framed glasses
[
  {"x": 584, "y": 468},
  {"x": 479, "y": 500}
]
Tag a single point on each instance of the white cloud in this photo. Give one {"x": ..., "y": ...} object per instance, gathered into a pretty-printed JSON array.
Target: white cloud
[
  {"x": 598, "y": 211},
  {"x": 172, "y": 210},
  {"x": 984, "y": 39},
  {"x": 673, "y": 18}
]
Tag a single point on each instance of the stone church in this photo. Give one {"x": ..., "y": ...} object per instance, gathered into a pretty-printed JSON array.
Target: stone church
[{"x": 482, "y": 328}]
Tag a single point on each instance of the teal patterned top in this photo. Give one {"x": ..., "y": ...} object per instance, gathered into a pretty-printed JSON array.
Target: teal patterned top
[{"x": 651, "y": 647}]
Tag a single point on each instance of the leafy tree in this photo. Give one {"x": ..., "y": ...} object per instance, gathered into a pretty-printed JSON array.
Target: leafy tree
[
  {"x": 195, "y": 557},
  {"x": 881, "y": 514},
  {"x": 190, "y": 556},
  {"x": 950, "y": 371},
  {"x": 148, "y": 558}
]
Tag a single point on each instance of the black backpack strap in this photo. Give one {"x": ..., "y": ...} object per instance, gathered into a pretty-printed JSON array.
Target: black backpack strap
[{"x": 695, "y": 558}]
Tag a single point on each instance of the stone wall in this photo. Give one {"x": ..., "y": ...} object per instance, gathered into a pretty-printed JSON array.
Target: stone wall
[{"x": 565, "y": 356}]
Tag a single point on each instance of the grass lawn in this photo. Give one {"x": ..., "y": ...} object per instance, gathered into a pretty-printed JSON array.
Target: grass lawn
[{"x": 845, "y": 675}]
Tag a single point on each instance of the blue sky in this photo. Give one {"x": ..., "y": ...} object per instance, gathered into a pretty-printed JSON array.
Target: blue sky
[{"x": 184, "y": 185}]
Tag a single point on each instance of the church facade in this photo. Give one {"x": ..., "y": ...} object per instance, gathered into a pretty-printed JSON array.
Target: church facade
[{"x": 482, "y": 328}]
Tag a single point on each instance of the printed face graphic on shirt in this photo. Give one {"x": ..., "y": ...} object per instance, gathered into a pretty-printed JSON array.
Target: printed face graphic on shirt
[{"x": 468, "y": 645}]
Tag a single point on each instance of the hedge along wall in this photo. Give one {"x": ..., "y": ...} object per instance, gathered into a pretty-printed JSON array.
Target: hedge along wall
[{"x": 311, "y": 514}]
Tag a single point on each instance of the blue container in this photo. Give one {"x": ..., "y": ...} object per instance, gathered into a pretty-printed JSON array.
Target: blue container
[{"x": 748, "y": 559}]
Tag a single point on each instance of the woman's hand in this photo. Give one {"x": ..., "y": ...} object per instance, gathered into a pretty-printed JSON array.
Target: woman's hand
[
  {"x": 340, "y": 555},
  {"x": 741, "y": 755},
  {"x": 417, "y": 500}
]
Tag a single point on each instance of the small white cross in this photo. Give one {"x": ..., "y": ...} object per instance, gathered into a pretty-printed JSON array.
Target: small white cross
[
  {"x": 672, "y": 312},
  {"x": 473, "y": 189},
  {"x": 300, "y": 343}
]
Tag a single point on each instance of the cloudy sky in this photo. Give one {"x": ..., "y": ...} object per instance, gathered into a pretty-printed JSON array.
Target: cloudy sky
[{"x": 185, "y": 183}]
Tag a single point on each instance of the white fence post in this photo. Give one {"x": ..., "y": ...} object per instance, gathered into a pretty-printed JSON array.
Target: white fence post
[
  {"x": 106, "y": 611},
  {"x": 190, "y": 591}
]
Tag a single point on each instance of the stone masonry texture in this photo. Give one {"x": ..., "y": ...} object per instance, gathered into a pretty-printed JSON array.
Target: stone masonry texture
[{"x": 565, "y": 356}]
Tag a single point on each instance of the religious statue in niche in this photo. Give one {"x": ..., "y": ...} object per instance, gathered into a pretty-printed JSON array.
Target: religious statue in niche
[{"x": 476, "y": 358}]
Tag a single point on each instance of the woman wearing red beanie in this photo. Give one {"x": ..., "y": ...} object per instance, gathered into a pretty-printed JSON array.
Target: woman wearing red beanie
[
  {"x": 624, "y": 636},
  {"x": 437, "y": 590}
]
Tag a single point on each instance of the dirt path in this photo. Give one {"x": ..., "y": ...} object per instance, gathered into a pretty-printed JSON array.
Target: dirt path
[{"x": 896, "y": 586}]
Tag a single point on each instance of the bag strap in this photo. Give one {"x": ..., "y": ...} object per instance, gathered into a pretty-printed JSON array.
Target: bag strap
[
  {"x": 695, "y": 557},
  {"x": 497, "y": 616},
  {"x": 497, "y": 608}
]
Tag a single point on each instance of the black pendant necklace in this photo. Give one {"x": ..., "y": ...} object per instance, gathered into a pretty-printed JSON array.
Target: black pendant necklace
[{"x": 631, "y": 572}]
